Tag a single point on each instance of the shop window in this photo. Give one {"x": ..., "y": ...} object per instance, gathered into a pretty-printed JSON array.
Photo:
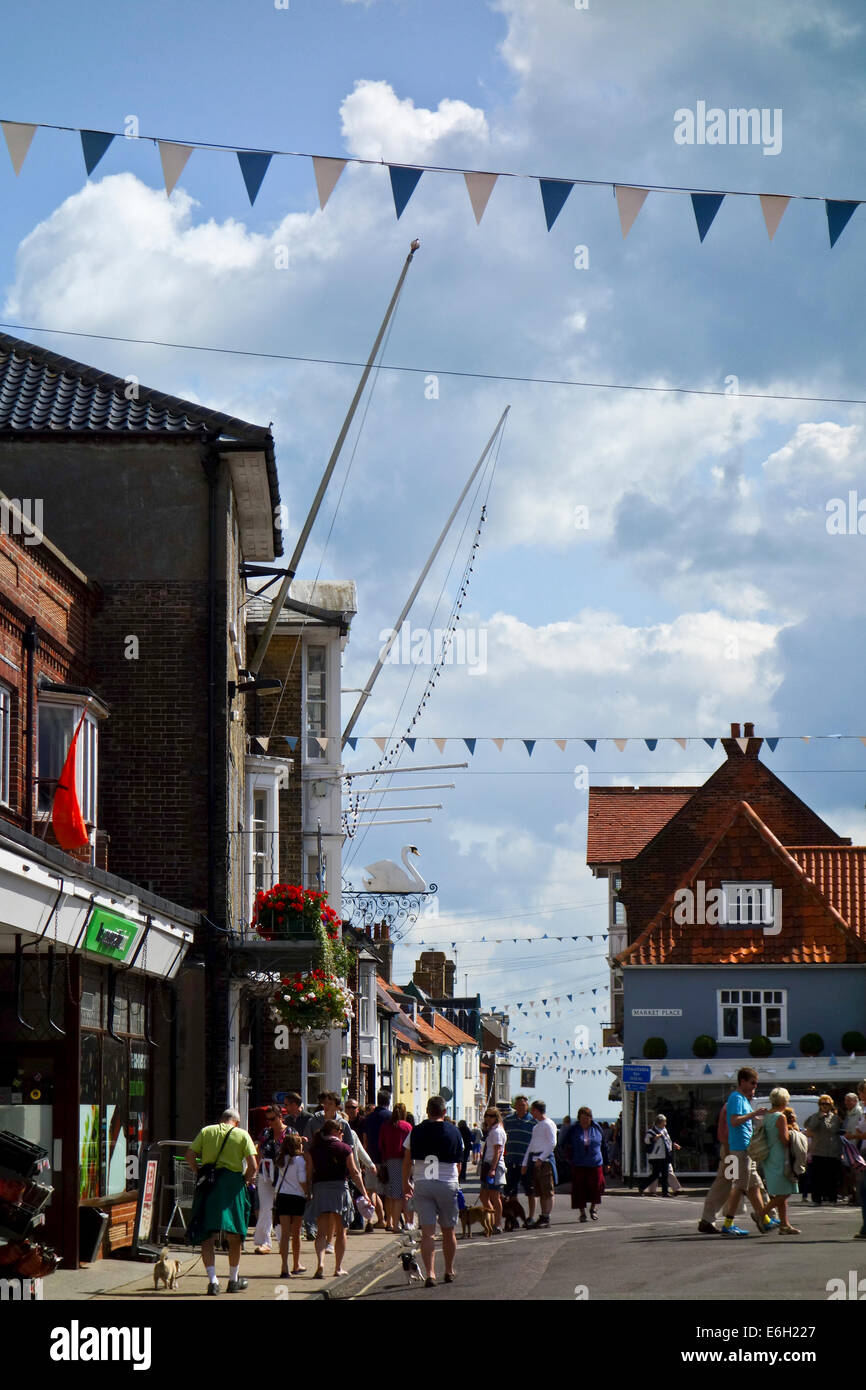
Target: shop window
[{"x": 114, "y": 1100}]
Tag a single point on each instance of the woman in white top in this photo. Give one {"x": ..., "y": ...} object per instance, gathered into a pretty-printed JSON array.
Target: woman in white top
[
  {"x": 492, "y": 1167},
  {"x": 291, "y": 1193}
]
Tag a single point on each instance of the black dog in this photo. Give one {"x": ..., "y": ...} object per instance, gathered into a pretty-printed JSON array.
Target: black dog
[{"x": 513, "y": 1213}]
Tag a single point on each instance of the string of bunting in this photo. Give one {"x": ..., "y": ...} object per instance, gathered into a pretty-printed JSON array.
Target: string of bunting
[
  {"x": 592, "y": 743},
  {"x": 404, "y": 178},
  {"x": 505, "y": 940}
]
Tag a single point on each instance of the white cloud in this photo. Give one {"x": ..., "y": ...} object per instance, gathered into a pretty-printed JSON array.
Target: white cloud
[{"x": 377, "y": 124}]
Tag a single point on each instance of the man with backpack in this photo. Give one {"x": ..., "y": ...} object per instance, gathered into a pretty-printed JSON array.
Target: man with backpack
[{"x": 741, "y": 1166}]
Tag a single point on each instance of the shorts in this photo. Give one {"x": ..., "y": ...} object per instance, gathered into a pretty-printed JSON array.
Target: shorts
[
  {"x": 542, "y": 1179},
  {"x": 435, "y": 1200},
  {"x": 485, "y": 1169},
  {"x": 745, "y": 1174},
  {"x": 289, "y": 1205}
]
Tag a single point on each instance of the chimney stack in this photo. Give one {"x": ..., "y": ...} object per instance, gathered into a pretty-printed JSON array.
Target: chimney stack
[
  {"x": 735, "y": 731},
  {"x": 748, "y": 731}
]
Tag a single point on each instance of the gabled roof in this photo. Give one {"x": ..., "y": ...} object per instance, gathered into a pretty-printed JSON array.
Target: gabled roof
[
  {"x": 42, "y": 392},
  {"x": 622, "y": 820},
  {"x": 820, "y": 935}
]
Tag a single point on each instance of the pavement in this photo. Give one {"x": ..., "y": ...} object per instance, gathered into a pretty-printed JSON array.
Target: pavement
[{"x": 645, "y": 1249}]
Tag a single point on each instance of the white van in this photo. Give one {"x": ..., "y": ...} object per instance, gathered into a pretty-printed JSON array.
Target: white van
[{"x": 802, "y": 1106}]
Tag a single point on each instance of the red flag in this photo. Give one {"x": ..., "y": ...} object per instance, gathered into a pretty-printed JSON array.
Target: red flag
[{"x": 66, "y": 818}]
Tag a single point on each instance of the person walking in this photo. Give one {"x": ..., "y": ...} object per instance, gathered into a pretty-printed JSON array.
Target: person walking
[
  {"x": 540, "y": 1162},
  {"x": 850, "y": 1123},
  {"x": 431, "y": 1157},
  {"x": 392, "y": 1138},
  {"x": 584, "y": 1145},
  {"x": 824, "y": 1129},
  {"x": 777, "y": 1184},
  {"x": 374, "y": 1122},
  {"x": 329, "y": 1163},
  {"x": 491, "y": 1171},
  {"x": 223, "y": 1205},
  {"x": 742, "y": 1170},
  {"x": 720, "y": 1191},
  {"x": 466, "y": 1136},
  {"x": 518, "y": 1128},
  {"x": 295, "y": 1117},
  {"x": 659, "y": 1146},
  {"x": 329, "y": 1111},
  {"x": 291, "y": 1195},
  {"x": 268, "y": 1148}
]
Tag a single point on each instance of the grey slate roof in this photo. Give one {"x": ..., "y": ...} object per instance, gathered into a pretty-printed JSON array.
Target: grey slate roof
[{"x": 42, "y": 392}]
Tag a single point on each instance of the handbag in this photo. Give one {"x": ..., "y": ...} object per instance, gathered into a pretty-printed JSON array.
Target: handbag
[
  {"x": 759, "y": 1146},
  {"x": 207, "y": 1174}
]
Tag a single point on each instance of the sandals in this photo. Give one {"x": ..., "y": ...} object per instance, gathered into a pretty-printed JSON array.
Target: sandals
[{"x": 789, "y": 1230}]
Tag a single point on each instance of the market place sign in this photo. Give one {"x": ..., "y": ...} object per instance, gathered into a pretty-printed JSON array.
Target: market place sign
[
  {"x": 109, "y": 934},
  {"x": 656, "y": 1013}
]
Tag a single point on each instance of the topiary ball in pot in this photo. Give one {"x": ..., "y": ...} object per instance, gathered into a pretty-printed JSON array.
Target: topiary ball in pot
[
  {"x": 760, "y": 1046},
  {"x": 853, "y": 1041},
  {"x": 704, "y": 1046},
  {"x": 811, "y": 1044},
  {"x": 655, "y": 1048}
]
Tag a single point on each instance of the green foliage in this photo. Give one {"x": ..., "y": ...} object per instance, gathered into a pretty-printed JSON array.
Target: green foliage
[
  {"x": 811, "y": 1044},
  {"x": 655, "y": 1048},
  {"x": 760, "y": 1046},
  {"x": 853, "y": 1041},
  {"x": 704, "y": 1046}
]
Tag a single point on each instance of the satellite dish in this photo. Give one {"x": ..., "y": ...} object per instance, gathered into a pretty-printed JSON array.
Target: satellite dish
[{"x": 445, "y": 1093}]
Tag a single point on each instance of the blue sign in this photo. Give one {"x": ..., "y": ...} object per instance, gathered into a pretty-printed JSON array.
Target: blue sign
[
  {"x": 636, "y": 1078},
  {"x": 280, "y": 1097}
]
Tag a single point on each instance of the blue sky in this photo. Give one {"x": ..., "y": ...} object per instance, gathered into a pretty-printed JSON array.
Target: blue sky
[{"x": 706, "y": 531}]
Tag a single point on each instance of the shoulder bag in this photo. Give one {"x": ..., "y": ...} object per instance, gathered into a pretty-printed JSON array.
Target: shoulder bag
[
  {"x": 206, "y": 1178},
  {"x": 759, "y": 1146}
]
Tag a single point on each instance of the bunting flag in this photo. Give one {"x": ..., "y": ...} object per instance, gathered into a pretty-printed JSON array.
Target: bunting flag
[
  {"x": 711, "y": 742},
  {"x": 174, "y": 158},
  {"x": 254, "y": 166},
  {"x": 706, "y": 205},
  {"x": 651, "y": 744},
  {"x": 353, "y": 743},
  {"x": 323, "y": 744},
  {"x": 839, "y": 214},
  {"x": 682, "y": 742},
  {"x": 479, "y": 187},
  {"x": 621, "y": 743},
  {"x": 590, "y": 743},
  {"x": 94, "y": 143},
  {"x": 629, "y": 202},
  {"x": 18, "y": 138},
  {"x": 772, "y": 744},
  {"x": 553, "y": 195},
  {"x": 561, "y": 743},
  {"x": 67, "y": 821},
  {"x": 327, "y": 172},
  {"x": 440, "y": 744},
  {"x": 381, "y": 744},
  {"x": 742, "y": 744},
  {"x": 470, "y": 744},
  {"x": 410, "y": 744},
  {"x": 404, "y": 181},
  {"x": 773, "y": 207},
  {"x": 499, "y": 743},
  {"x": 292, "y": 742},
  {"x": 529, "y": 744}
]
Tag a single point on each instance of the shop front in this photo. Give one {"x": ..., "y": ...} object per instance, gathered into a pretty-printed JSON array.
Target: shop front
[{"x": 87, "y": 1033}]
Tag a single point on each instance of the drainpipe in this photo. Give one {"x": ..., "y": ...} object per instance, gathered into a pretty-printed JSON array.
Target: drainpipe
[{"x": 29, "y": 648}]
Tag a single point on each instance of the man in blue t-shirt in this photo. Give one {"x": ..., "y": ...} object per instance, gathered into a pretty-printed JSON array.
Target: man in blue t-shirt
[{"x": 742, "y": 1170}]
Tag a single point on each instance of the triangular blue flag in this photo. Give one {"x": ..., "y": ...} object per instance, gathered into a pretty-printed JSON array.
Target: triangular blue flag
[
  {"x": 710, "y": 742},
  {"x": 553, "y": 195},
  {"x": 832, "y": 1062},
  {"x": 94, "y": 143},
  {"x": 292, "y": 742},
  {"x": 570, "y": 998},
  {"x": 792, "y": 1065},
  {"x": 708, "y": 1071},
  {"x": 771, "y": 744},
  {"x": 410, "y": 744},
  {"x": 651, "y": 744},
  {"x": 254, "y": 166},
  {"x": 404, "y": 181},
  {"x": 353, "y": 743},
  {"x": 470, "y": 744},
  {"x": 665, "y": 1071},
  {"x": 547, "y": 1011},
  {"x": 839, "y": 214},
  {"x": 529, "y": 744},
  {"x": 544, "y": 1001},
  {"x": 706, "y": 205},
  {"x": 591, "y": 742}
]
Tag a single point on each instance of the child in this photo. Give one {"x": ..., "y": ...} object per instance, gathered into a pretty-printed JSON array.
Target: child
[{"x": 291, "y": 1193}]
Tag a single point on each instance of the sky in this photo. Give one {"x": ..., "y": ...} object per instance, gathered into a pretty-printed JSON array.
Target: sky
[{"x": 653, "y": 563}]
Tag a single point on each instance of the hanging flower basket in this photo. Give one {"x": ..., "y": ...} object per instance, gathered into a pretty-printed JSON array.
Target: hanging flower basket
[
  {"x": 287, "y": 910},
  {"x": 314, "y": 1001}
]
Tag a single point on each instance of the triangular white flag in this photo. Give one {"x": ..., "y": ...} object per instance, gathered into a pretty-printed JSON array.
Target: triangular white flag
[
  {"x": 500, "y": 741},
  {"x": 479, "y": 187},
  {"x": 18, "y": 139},
  {"x": 323, "y": 744},
  {"x": 629, "y": 202},
  {"x": 440, "y": 744},
  {"x": 381, "y": 744},
  {"x": 621, "y": 743},
  {"x": 773, "y": 207},
  {"x": 174, "y": 159},
  {"x": 742, "y": 744},
  {"x": 862, "y": 738},
  {"x": 263, "y": 743},
  {"x": 327, "y": 171},
  {"x": 561, "y": 743},
  {"x": 682, "y": 742}
]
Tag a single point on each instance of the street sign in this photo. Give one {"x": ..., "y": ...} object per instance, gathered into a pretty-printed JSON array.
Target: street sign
[{"x": 636, "y": 1078}]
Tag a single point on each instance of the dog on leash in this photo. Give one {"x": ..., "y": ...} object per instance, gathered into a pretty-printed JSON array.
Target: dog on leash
[
  {"x": 513, "y": 1213},
  {"x": 166, "y": 1269},
  {"x": 409, "y": 1261},
  {"x": 480, "y": 1216}
]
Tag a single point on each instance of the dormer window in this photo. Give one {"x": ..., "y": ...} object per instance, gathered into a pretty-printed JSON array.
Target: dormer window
[{"x": 748, "y": 904}]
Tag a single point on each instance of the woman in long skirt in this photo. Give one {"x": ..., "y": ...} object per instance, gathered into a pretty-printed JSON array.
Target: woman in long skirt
[
  {"x": 585, "y": 1147},
  {"x": 270, "y": 1142},
  {"x": 225, "y": 1206}
]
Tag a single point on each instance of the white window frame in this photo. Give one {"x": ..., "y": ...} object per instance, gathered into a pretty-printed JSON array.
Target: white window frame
[
  {"x": 748, "y": 904},
  {"x": 264, "y": 777},
  {"x": 87, "y": 753},
  {"x": 5, "y": 741},
  {"x": 778, "y": 999},
  {"x": 313, "y": 751}
]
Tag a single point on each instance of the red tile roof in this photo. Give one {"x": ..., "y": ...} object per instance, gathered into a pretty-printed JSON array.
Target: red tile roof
[
  {"x": 813, "y": 929},
  {"x": 839, "y": 873},
  {"x": 622, "y": 820}
]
